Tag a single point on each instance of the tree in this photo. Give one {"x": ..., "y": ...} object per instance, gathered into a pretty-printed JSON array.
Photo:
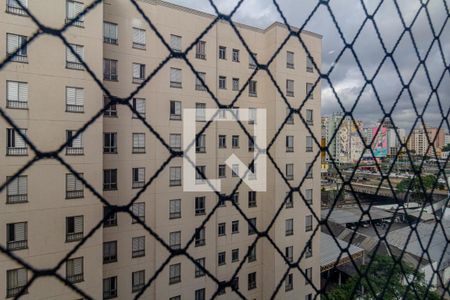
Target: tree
[
  {"x": 384, "y": 275},
  {"x": 414, "y": 186},
  {"x": 446, "y": 148}
]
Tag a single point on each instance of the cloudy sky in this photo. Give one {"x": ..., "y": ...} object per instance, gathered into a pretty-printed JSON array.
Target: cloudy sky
[{"x": 346, "y": 77}]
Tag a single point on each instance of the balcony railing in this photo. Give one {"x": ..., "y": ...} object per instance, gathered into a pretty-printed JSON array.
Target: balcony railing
[
  {"x": 200, "y": 87},
  {"x": 139, "y": 46},
  {"x": 77, "y": 23},
  {"x": 290, "y": 93},
  {"x": 138, "y": 149},
  {"x": 110, "y": 77},
  {"x": 74, "y": 108},
  {"x": 20, "y": 58},
  {"x": 290, "y": 65},
  {"x": 174, "y": 279},
  {"x": 110, "y": 150},
  {"x": 109, "y": 259},
  {"x": 17, "y": 104},
  {"x": 138, "y": 80},
  {"x": 200, "y": 55},
  {"x": 175, "y": 84},
  {"x": 309, "y": 149},
  {"x": 175, "y": 117},
  {"x": 74, "y": 236},
  {"x": 74, "y": 194},
  {"x": 75, "y": 151},
  {"x": 11, "y": 292},
  {"x": 14, "y": 151},
  {"x": 175, "y": 215},
  {"x": 75, "y": 278},
  {"x": 175, "y": 182},
  {"x": 74, "y": 65},
  {"x": 137, "y": 288},
  {"x": 138, "y": 253},
  {"x": 19, "y": 198},
  {"x": 15, "y": 10},
  {"x": 137, "y": 184},
  {"x": 108, "y": 40},
  {"x": 110, "y": 294},
  {"x": 17, "y": 245}
]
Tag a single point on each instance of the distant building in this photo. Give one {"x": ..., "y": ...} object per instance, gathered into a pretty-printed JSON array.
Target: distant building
[{"x": 420, "y": 138}]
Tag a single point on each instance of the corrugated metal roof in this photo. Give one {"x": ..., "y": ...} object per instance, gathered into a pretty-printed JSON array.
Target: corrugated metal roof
[
  {"x": 329, "y": 250},
  {"x": 353, "y": 214}
]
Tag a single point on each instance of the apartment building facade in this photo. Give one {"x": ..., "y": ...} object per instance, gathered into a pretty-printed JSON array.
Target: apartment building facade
[{"x": 120, "y": 259}]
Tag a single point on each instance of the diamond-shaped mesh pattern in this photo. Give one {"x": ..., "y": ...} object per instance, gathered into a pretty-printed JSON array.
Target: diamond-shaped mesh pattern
[{"x": 387, "y": 53}]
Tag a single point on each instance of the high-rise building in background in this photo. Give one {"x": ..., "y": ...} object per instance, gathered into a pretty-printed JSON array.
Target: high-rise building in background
[
  {"x": 422, "y": 140},
  {"x": 50, "y": 95}
]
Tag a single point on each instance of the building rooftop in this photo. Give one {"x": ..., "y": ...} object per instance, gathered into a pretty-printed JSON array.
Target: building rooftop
[
  {"x": 353, "y": 214},
  {"x": 330, "y": 253}
]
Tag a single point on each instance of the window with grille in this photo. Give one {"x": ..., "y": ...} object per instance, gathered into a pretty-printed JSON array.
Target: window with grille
[
  {"x": 200, "y": 145},
  {"x": 175, "y": 110},
  {"x": 13, "y": 7},
  {"x": 138, "y": 104},
  {"x": 290, "y": 88},
  {"x": 221, "y": 229},
  {"x": 110, "y": 69},
  {"x": 110, "y": 33},
  {"x": 17, "y": 236},
  {"x": 289, "y": 253},
  {"x": 74, "y": 186},
  {"x": 15, "y": 42},
  {"x": 309, "y": 143},
  {"x": 235, "y": 55},
  {"x": 74, "y": 99},
  {"x": 110, "y": 142},
  {"x": 309, "y": 196},
  {"x": 138, "y": 210},
  {"x": 138, "y": 246},
  {"x": 200, "y": 50},
  {"x": 72, "y": 61},
  {"x": 290, "y": 60},
  {"x": 175, "y": 176},
  {"x": 222, "y": 82},
  {"x": 200, "y": 112},
  {"x": 16, "y": 145},
  {"x": 109, "y": 252},
  {"x": 138, "y": 73},
  {"x": 200, "y": 174},
  {"x": 309, "y": 65},
  {"x": 309, "y": 117},
  {"x": 199, "y": 86},
  {"x": 16, "y": 280},
  {"x": 308, "y": 223},
  {"x": 290, "y": 143},
  {"x": 74, "y": 228},
  {"x": 222, "y": 171},
  {"x": 252, "y": 199},
  {"x": 252, "y": 91},
  {"x": 200, "y": 206},
  {"x": 17, "y": 190},
  {"x": 137, "y": 280},
  {"x": 289, "y": 227},
  {"x": 222, "y": 141},
  {"x": 289, "y": 171},
  {"x": 175, "y": 209},
  {"x": 139, "y": 40},
  {"x": 73, "y": 9},
  {"x": 174, "y": 273},
  {"x": 235, "y": 84},
  {"x": 74, "y": 270},
  {"x": 251, "y": 281},
  {"x": 222, "y": 52},
  {"x": 138, "y": 178},
  {"x": 235, "y": 227},
  {"x": 252, "y": 226},
  {"x": 110, "y": 218},
  {"x": 16, "y": 94},
  {"x": 74, "y": 143},
  {"x": 110, "y": 287},
  {"x": 289, "y": 282},
  {"x": 309, "y": 90},
  {"x": 175, "y": 141},
  {"x": 138, "y": 143},
  {"x": 110, "y": 108},
  {"x": 200, "y": 237},
  {"x": 110, "y": 179},
  {"x": 221, "y": 258},
  {"x": 235, "y": 141},
  {"x": 234, "y": 255},
  {"x": 251, "y": 61},
  {"x": 175, "y": 43},
  {"x": 175, "y": 78},
  {"x": 175, "y": 240},
  {"x": 199, "y": 271}
]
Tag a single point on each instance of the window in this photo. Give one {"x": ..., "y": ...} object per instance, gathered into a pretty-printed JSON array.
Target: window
[
  {"x": 175, "y": 110},
  {"x": 235, "y": 84},
  {"x": 308, "y": 223},
  {"x": 174, "y": 273},
  {"x": 17, "y": 190},
  {"x": 235, "y": 283},
  {"x": 200, "y": 144},
  {"x": 290, "y": 143},
  {"x": 175, "y": 209},
  {"x": 199, "y": 271},
  {"x": 222, "y": 52},
  {"x": 251, "y": 144},
  {"x": 251, "y": 61},
  {"x": 309, "y": 117},
  {"x": 74, "y": 228},
  {"x": 139, "y": 41},
  {"x": 222, "y": 141},
  {"x": 74, "y": 144},
  {"x": 15, "y": 143},
  {"x": 252, "y": 281},
  {"x": 16, "y": 279},
  {"x": 15, "y": 42},
  {"x": 289, "y": 253},
  {"x": 74, "y": 270},
  {"x": 199, "y": 86},
  {"x": 74, "y": 99},
  {"x": 252, "y": 229},
  {"x": 17, "y": 236},
  {"x": 110, "y": 108},
  {"x": 222, "y": 82},
  {"x": 109, "y": 252},
  {"x": 110, "y": 218},
  {"x": 252, "y": 115},
  {"x": 110, "y": 142},
  {"x": 309, "y": 144},
  {"x": 235, "y": 227},
  {"x": 290, "y": 88},
  {"x": 110, "y": 33},
  {"x": 138, "y": 246},
  {"x": 175, "y": 176},
  {"x": 110, "y": 179},
  {"x": 138, "y": 73},
  {"x": 308, "y": 249},
  {"x": 222, "y": 171},
  {"x": 252, "y": 199},
  {"x": 137, "y": 281},
  {"x": 110, "y": 287},
  {"x": 308, "y": 275},
  {"x": 235, "y": 198},
  {"x": 200, "y": 294},
  {"x": 175, "y": 141},
  {"x": 290, "y": 116},
  {"x": 73, "y": 9},
  {"x": 289, "y": 282},
  {"x": 72, "y": 61},
  {"x": 221, "y": 258},
  {"x": 138, "y": 142},
  {"x": 200, "y": 237},
  {"x": 252, "y": 91},
  {"x": 309, "y": 170},
  {"x": 289, "y": 171},
  {"x": 221, "y": 229},
  {"x": 309, "y": 297},
  {"x": 235, "y": 170},
  {"x": 200, "y": 111},
  {"x": 309, "y": 196},
  {"x": 110, "y": 69},
  {"x": 138, "y": 178},
  {"x": 235, "y": 141},
  {"x": 138, "y": 105},
  {"x": 309, "y": 65},
  {"x": 234, "y": 255},
  {"x": 175, "y": 43},
  {"x": 252, "y": 254},
  {"x": 16, "y": 94},
  {"x": 235, "y": 55},
  {"x": 138, "y": 210},
  {"x": 199, "y": 206},
  {"x": 13, "y": 7},
  {"x": 309, "y": 89},
  {"x": 175, "y": 240},
  {"x": 74, "y": 186},
  {"x": 290, "y": 60},
  {"x": 289, "y": 229},
  {"x": 200, "y": 50},
  {"x": 289, "y": 200}
]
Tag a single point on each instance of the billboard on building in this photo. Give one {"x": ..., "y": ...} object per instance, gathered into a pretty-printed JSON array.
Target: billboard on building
[{"x": 380, "y": 143}]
